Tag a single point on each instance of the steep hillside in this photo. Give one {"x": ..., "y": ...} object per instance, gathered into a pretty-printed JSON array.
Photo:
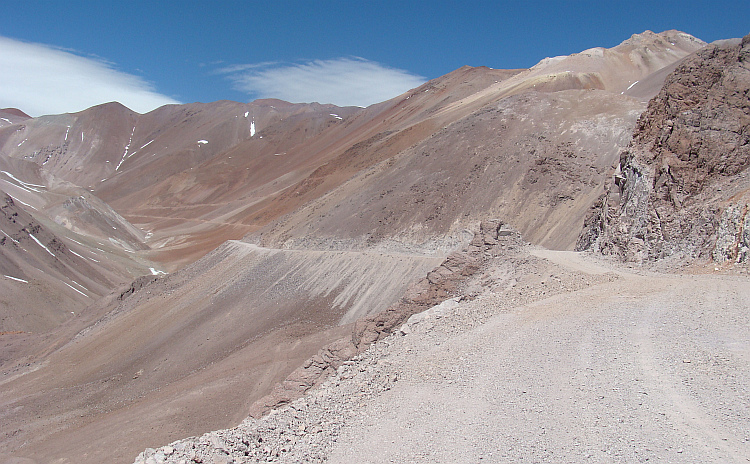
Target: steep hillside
[
  {"x": 195, "y": 349},
  {"x": 9, "y": 116},
  {"x": 536, "y": 159},
  {"x": 73, "y": 248},
  {"x": 682, "y": 187},
  {"x": 560, "y": 358},
  {"x": 45, "y": 280},
  {"x": 591, "y": 361},
  {"x": 515, "y": 149}
]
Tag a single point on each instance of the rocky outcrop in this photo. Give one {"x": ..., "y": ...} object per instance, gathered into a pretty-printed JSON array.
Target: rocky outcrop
[
  {"x": 681, "y": 188},
  {"x": 444, "y": 282},
  {"x": 733, "y": 234},
  {"x": 136, "y": 285}
]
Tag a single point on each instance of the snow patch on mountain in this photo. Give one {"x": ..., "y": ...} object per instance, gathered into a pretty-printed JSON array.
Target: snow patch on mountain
[
  {"x": 41, "y": 244},
  {"x": 127, "y": 147},
  {"x": 76, "y": 289}
]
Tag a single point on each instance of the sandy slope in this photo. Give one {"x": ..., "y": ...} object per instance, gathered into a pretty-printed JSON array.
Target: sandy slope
[
  {"x": 189, "y": 352},
  {"x": 567, "y": 361}
]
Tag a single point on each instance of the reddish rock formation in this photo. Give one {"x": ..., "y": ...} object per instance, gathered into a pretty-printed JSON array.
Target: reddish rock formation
[{"x": 682, "y": 188}]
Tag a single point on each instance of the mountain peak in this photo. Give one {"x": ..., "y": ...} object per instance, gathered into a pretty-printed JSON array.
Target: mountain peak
[
  {"x": 672, "y": 36},
  {"x": 15, "y": 112}
]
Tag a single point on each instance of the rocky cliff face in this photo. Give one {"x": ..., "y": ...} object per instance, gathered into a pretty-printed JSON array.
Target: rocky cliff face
[{"x": 681, "y": 188}]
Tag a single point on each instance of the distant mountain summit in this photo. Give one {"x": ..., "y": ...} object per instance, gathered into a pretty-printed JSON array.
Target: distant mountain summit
[{"x": 14, "y": 112}]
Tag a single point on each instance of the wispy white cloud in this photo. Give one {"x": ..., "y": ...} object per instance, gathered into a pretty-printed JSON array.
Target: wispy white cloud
[
  {"x": 40, "y": 79},
  {"x": 341, "y": 81},
  {"x": 237, "y": 68}
]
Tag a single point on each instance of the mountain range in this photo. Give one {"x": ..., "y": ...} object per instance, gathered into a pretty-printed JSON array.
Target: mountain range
[{"x": 167, "y": 274}]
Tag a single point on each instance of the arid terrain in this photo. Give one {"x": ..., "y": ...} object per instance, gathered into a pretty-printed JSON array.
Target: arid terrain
[{"x": 395, "y": 283}]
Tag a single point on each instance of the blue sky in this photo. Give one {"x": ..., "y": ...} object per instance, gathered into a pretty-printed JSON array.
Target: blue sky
[{"x": 187, "y": 51}]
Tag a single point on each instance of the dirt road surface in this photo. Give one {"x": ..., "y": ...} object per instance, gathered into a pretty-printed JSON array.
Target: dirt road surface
[{"x": 644, "y": 368}]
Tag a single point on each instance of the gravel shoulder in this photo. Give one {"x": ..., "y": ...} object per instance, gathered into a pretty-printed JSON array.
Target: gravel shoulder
[{"x": 559, "y": 360}]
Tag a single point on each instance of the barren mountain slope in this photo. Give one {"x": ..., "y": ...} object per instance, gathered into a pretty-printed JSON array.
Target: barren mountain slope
[
  {"x": 409, "y": 412},
  {"x": 516, "y": 149},
  {"x": 191, "y": 351},
  {"x": 45, "y": 281},
  {"x": 615, "y": 70},
  {"x": 10, "y": 116},
  {"x": 71, "y": 247},
  {"x": 536, "y": 159},
  {"x": 26, "y": 251},
  {"x": 380, "y": 207},
  {"x": 65, "y": 144},
  {"x": 195, "y": 175},
  {"x": 149, "y": 163}
]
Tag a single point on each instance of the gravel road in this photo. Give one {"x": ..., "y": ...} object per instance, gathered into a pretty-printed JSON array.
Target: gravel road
[{"x": 568, "y": 362}]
